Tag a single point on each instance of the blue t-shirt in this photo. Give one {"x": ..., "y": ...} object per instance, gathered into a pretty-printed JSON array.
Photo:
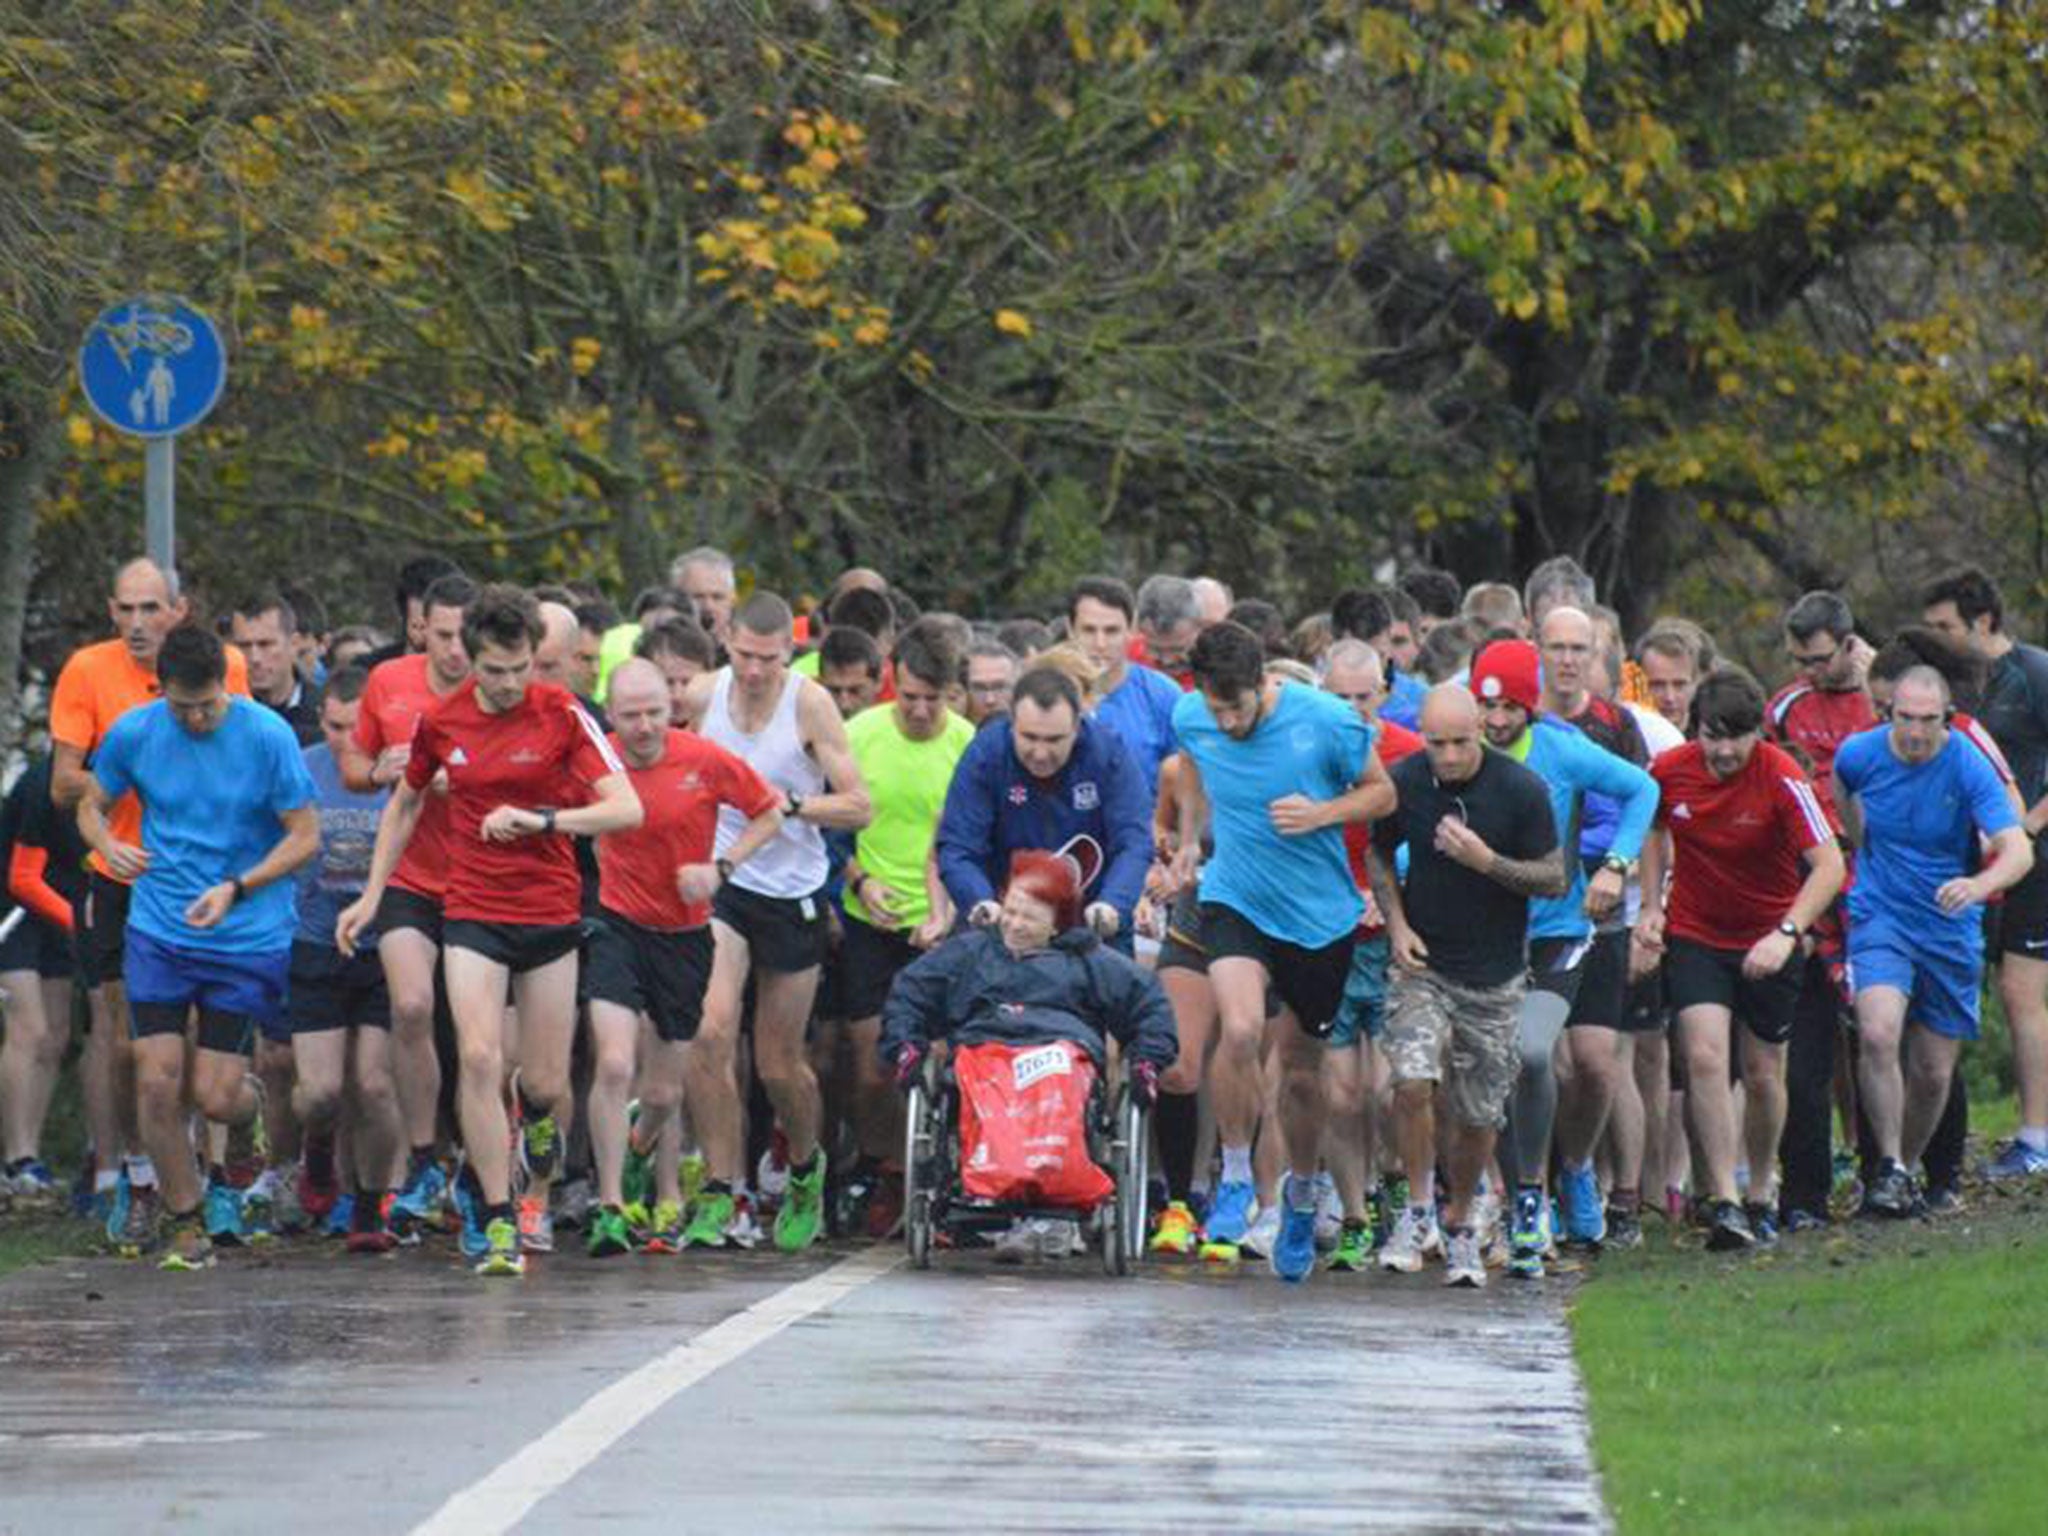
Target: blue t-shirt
[
  {"x": 1139, "y": 713},
  {"x": 1404, "y": 700},
  {"x": 1573, "y": 768},
  {"x": 1920, "y": 826},
  {"x": 348, "y": 836},
  {"x": 210, "y": 811},
  {"x": 1298, "y": 889}
]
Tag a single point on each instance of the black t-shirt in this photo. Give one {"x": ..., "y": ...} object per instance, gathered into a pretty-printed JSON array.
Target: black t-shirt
[
  {"x": 1476, "y": 929},
  {"x": 29, "y": 819},
  {"x": 301, "y": 713},
  {"x": 2015, "y": 712}
]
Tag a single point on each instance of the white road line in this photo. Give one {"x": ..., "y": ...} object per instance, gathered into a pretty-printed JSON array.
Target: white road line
[{"x": 503, "y": 1497}]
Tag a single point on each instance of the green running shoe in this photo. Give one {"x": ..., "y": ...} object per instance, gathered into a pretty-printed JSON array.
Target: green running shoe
[
  {"x": 1354, "y": 1247},
  {"x": 188, "y": 1247},
  {"x": 540, "y": 1147},
  {"x": 694, "y": 1173},
  {"x": 638, "y": 1178},
  {"x": 502, "y": 1257},
  {"x": 709, "y": 1218},
  {"x": 609, "y": 1234},
  {"x": 802, "y": 1216},
  {"x": 663, "y": 1231}
]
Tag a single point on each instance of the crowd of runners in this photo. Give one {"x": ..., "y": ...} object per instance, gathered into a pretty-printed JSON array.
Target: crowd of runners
[{"x": 1483, "y": 930}]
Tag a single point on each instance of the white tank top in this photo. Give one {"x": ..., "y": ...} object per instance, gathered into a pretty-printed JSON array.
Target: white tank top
[{"x": 792, "y": 864}]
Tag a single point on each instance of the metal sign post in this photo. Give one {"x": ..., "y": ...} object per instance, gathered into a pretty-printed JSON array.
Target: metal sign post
[{"x": 152, "y": 367}]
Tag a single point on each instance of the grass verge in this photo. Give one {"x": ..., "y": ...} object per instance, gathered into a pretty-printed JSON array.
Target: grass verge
[{"x": 1865, "y": 1379}]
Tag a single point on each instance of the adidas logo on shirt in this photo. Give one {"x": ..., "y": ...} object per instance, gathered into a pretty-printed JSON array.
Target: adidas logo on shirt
[
  {"x": 458, "y": 758},
  {"x": 1681, "y": 812}
]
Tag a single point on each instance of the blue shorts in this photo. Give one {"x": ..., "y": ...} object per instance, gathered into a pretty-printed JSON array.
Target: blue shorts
[
  {"x": 234, "y": 993},
  {"x": 1941, "y": 986},
  {"x": 1364, "y": 1009}
]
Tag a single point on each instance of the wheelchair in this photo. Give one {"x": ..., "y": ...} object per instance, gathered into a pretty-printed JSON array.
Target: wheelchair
[{"x": 1119, "y": 1132}]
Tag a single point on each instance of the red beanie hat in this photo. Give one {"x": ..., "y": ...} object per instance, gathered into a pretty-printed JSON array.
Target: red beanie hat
[{"x": 1508, "y": 669}]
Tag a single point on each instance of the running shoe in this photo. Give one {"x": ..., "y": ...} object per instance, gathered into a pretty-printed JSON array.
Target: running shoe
[
  {"x": 1018, "y": 1242},
  {"x": 1354, "y": 1248},
  {"x": 1763, "y": 1223},
  {"x": 575, "y": 1201},
  {"x": 664, "y": 1229},
  {"x": 341, "y": 1216},
  {"x": 1414, "y": 1238},
  {"x": 139, "y": 1217},
  {"x": 1526, "y": 1238},
  {"x": 469, "y": 1210},
  {"x": 1942, "y": 1200},
  {"x": 1585, "y": 1218},
  {"x": 1231, "y": 1213},
  {"x": 637, "y": 1180},
  {"x": 744, "y": 1230},
  {"x": 33, "y": 1184},
  {"x": 1175, "y": 1233},
  {"x": 609, "y": 1234},
  {"x": 797, "y": 1224},
  {"x": 317, "y": 1198},
  {"x": 1329, "y": 1213},
  {"x": 885, "y": 1205},
  {"x": 420, "y": 1200},
  {"x": 1891, "y": 1193},
  {"x": 1293, "y": 1255},
  {"x": 1060, "y": 1238},
  {"x": 1462, "y": 1264},
  {"x": 1798, "y": 1219},
  {"x": 540, "y": 1148},
  {"x": 771, "y": 1174},
  {"x": 1624, "y": 1229},
  {"x": 710, "y": 1219},
  {"x": 691, "y": 1172},
  {"x": 1729, "y": 1230},
  {"x": 370, "y": 1233},
  {"x": 223, "y": 1215},
  {"x": 2016, "y": 1160},
  {"x": 119, "y": 1199},
  {"x": 259, "y": 1206},
  {"x": 188, "y": 1246},
  {"x": 536, "y": 1225},
  {"x": 501, "y": 1255},
  {"x": 1264, "y": 1232}
]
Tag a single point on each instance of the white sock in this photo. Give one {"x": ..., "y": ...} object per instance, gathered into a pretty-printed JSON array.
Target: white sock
[
  {"x": 1422, "y": 1191},
  {"x": 1237, "y": 1165},
  {"x": 2034, "y": 1136},
  {"x": 105, "y": 1178},
  {"x": 141, "y": 1172}
]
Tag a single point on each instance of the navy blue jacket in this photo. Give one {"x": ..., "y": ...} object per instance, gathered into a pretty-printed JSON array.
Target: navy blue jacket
[
  {"x": 995, "y": 807},
  {"x": 971, "y": 988}
]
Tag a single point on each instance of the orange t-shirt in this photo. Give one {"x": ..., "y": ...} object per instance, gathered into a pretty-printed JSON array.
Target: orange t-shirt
[{"x": 100, "y": 684}]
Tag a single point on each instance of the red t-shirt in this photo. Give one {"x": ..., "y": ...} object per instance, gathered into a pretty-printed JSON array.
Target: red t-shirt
[
  {"x": 1737, "y": 844},
  {"x": 545, "y": 751},
  {"x": 680, "y": 796},
  {"x": 1393, "y": 742},
  {"x": 396, "y": 694},
  {"x": 1811, "y": 723}
]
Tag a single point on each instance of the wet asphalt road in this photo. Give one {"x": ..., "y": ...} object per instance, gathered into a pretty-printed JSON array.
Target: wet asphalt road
[{"x": 310, "y": 1392}]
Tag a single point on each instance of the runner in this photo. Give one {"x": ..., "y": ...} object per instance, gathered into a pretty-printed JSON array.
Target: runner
[
  {"x": 895, "y": 907},
  {"x": 1966, "y": 605},
  {"x": 1913, "y": 799},
  {"x": 1168, "y": 619},
  {"x": 1673, "y": 657},
  {"x": 1481, "y": 843},
  {"x": 264, "y": 629},
  {"x": 650, "y": 957},
  {"x": 682, "y": 652},
  {"x": 769, "y": 921},
  {"x": 704, "y": 576},
  {"x": 1754, "y": 865},
  {"x": 1135, "y": 703},
  {"x": 409, "y": 924},
  {"x": 210, "y": 926},
  {"x": 44, "y": 863},
  {"x": 98, "y": 685},
  {"x": 513, "y": 750},
  {"x": 1275, "y": 770},
  {"x": 1561, "y": 935},
  {"x": 850, "y": 669},
  {"x": 409, "y": 593},
  {"x": 991, "y": 677}
]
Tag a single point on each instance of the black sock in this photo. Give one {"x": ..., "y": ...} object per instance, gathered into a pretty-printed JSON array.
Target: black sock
[
  {"x": 422, "y": 1159},
  {"x": 472, "y": 1183},
  {"x": 17, "y": 1165},
  {"x": 529, "y": 1110},
  {"x": 217, "y": 1174},
  {"x": 809, "y": 1166},
  {"x": 369, "y": 1211},
  {"x": 320, "y": 1160},
  {"x": 499, "y": 1212},
  {"x": 717, "y": 1187},
  {"x": 1178, "y": 1118}
]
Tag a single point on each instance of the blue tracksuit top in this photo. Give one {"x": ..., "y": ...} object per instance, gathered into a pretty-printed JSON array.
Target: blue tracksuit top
[
  {"x": 995, "y": 807},
  {"x": 1570, "y": 765}
]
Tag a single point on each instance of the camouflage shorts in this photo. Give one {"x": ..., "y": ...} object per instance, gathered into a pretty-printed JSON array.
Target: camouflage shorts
[{"x": 1429, "y": 1013}]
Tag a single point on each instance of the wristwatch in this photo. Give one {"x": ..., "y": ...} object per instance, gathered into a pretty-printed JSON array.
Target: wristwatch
[
  {"x": 795, "y": 806},
  {"x": 724, "y": 868},
  {"x": 547, "y": 818},
  {"x": 1621, "y": 866},
  {"x": 1790, "y": 929},
  {"x": 240, "y": 888}
]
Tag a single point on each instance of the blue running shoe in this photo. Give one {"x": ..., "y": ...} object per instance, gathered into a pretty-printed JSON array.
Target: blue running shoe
[
  {"x": 1526, "y": 1236},
  {"x": 419, "y": 1203},
  {"x": 1294, "y": 1254},
  {"x": 117, "y": 1207},
  {"x": 1585, "y": 1216},
  {"x": 1230, "y": 1213},
  {"x": 341, "y": 1219},
  {"x": 476, "y": 1241},
  {"x": 2017, "y": 1161},
  {"x": 223, "y": 1215}
]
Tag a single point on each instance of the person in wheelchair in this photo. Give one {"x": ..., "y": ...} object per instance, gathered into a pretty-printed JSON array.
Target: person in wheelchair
[{"x": 1034, "y": 976}]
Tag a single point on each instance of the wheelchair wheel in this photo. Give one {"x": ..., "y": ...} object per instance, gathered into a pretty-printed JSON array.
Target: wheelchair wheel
[
  {"x": 1133, "y": 1173},
  {"x": 918, "y": 1192}
]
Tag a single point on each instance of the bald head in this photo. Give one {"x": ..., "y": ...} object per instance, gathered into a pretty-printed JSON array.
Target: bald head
[
  {"x": 636, "y": 680},
  {"x": 638, "y": 703},
  {"x": 1448, "y": 707},
  {"x": 1353, "y": 672},
  {"x": 1212, "y": 599},
  {"x": 145, "y": 607},
  {"x": 554, "y": 659},
  {"x": 1566, "y": 639},
  {"x": 1451, "y": 733}
]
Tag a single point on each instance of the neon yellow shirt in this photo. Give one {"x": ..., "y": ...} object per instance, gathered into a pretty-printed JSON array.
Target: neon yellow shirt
[{"x": 907, "y": 782}]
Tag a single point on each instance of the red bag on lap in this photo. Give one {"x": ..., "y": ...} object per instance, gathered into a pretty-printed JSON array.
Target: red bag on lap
[{"x": 1024, "y": 1125}]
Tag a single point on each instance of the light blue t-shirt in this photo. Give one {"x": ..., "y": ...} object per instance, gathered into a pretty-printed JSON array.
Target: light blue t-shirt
[
  {"x": 1920, "y": 826},
  {"x": 1298, "y": 889},
  {"x": 348, "y": 836},
  {"x": 1404, "y": 700},
  {"x": 210, "y": 811},
  {"x": 1139, "y": 713}
]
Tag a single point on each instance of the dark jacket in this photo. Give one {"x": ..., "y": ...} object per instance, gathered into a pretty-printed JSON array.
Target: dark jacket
[{"x": 972, "y": 988}]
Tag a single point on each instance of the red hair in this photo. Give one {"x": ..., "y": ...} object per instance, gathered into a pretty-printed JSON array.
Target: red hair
[{"x": 1051, "y": 879}]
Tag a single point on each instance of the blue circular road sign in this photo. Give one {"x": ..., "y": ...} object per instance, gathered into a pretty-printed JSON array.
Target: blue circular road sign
[{"x": 152, "y": 367}]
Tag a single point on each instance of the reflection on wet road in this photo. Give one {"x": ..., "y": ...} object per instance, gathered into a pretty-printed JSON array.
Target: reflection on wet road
[{"x": 315, "y": 1392}]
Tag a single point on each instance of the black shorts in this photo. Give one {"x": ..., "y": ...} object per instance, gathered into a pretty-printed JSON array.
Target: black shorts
[
  {"x": 101, "y": 929},
  {"x": 401, "y": 908},
  {"x": 36, "y": 946},
  {"x": 783, "y": 933},
  {"x": 1644, "y": 1011},
  {"x": 1558, "y": 966},
  {"x": 1183, "y": 945},
  {"x": 870, "y": 959},
  {"x": 1603, "y": 982},
  {"x": 2019, "y": 923},
  {"x": 330, "y": 990},
  {"x": 1697, "y": 975},
  {"x": 660, "y": 973},
  {"x": 1309, "y": 981},
  {"x": 519, "y": 947}
]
